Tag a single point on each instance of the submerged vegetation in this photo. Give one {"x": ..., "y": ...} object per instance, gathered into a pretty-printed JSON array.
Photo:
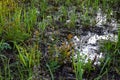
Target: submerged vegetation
[{"x": 35, "y": 40}]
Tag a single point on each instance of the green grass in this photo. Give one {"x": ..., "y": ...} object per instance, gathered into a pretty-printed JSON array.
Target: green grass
[
  {"x": 21, "y": 20},
  {"x": 78, "y": 67},
  {"x": 111, "y": 61}
]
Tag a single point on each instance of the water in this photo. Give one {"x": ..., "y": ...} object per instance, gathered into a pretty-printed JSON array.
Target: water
[{"x": 88, "y": 45}]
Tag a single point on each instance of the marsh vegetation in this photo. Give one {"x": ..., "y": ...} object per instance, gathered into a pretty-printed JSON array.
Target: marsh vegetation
[{"x": 59, "y": 40}]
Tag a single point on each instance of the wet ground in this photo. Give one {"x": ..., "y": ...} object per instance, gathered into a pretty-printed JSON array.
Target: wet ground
[
  {"x": 84, "y": 40},
  {"x": 88, "y": 40},
  {"x": 61, "y": 39}
]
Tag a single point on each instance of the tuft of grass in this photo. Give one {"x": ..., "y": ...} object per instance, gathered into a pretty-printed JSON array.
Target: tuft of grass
[
  {"x": 78, "y": 67},
  {"x": 28, "y": 57},
  {"x": 29, "y": 18}
]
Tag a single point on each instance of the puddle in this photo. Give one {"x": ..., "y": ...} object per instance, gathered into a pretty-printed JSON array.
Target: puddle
[
  {"x": 88, "y": 45},
  {"x": 100, "y": 18}
]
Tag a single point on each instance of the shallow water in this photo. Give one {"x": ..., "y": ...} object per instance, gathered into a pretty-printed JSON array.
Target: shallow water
[{"x": 88, "y": 45}]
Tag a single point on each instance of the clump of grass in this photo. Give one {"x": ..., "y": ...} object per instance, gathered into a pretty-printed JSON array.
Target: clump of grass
[
  {"x": 78, "y": 67},
  {"x": 16, "y": 22},
  {"x": 73, "y": 18},
  {"x": 111, "y": 60},
  {"x": 29, "y": 18},
  {"x": 14, "y": 30},
  {"x": 28, "y": 56}
]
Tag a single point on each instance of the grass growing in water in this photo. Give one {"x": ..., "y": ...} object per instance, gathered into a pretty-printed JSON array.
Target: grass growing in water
[{"x": 18, "y": 23}]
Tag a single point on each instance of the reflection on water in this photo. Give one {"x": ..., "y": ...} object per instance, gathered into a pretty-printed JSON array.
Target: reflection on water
[
  {"x": 88, "y": 45},
  {"x": 100, "y": 18}
]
